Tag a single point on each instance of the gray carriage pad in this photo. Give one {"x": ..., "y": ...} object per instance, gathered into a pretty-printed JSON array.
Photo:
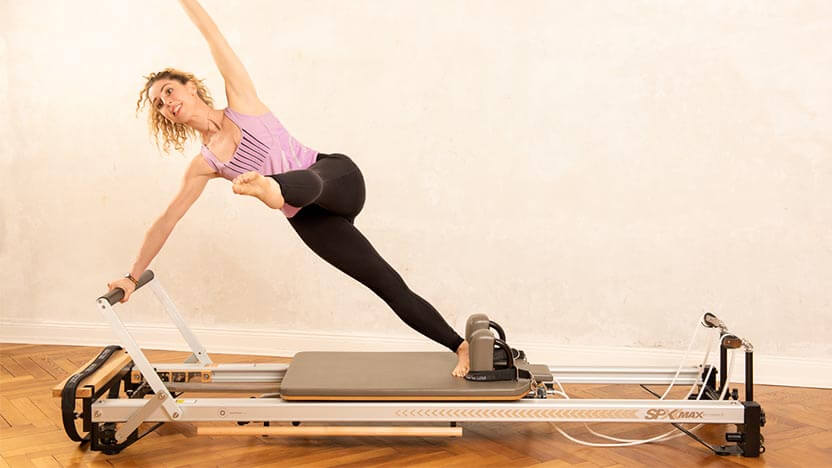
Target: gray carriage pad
[{"x": 314, "y": 375}]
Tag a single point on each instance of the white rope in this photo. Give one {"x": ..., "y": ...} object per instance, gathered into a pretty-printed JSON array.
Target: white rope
[{"x": 670, "y": 434}]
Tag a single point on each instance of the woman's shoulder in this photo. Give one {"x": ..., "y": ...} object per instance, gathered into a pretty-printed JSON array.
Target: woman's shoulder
[{"x": 203, "y": 164}]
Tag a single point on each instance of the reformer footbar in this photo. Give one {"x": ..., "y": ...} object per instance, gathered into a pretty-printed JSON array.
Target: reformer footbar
[{"x": 327, "y": 387}]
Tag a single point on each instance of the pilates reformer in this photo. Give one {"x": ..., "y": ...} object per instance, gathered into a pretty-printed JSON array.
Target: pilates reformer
[{"x": 120, "y": 390}]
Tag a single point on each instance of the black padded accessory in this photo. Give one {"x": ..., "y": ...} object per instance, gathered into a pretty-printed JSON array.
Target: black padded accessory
[
  {"x": 68, "y": 392},
  {"x": 500, "y": 332},
  {"x": 500, "y": 356},
  {"x": 484, "y": 350},
  {"x": 505, "y": 347}
]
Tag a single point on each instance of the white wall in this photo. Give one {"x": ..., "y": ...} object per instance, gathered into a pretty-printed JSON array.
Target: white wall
[{"x": 591, "y": 173}]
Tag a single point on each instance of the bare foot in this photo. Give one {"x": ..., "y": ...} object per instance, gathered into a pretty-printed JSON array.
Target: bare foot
[
  {"x": 264, "y": 188},
  {"x": 462, "y": 365}
]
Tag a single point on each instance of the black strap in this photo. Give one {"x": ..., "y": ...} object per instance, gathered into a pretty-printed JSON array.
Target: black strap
[{"x": 68, "y": 393}]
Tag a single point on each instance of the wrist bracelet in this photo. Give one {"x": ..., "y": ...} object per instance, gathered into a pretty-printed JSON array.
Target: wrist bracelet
[{"x": 134, "y": 280}]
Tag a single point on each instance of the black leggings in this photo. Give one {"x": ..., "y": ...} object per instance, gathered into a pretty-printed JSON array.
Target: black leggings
[{"x": 331, "y": 194}]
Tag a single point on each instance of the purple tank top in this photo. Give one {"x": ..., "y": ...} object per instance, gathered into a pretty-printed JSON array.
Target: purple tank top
[{"x": 266, "y": 147}]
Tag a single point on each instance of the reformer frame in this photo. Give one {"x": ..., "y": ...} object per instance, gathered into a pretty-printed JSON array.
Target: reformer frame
[{"x": 113, "y": 423}]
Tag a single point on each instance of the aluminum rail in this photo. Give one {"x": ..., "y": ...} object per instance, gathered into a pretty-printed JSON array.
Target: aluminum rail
[
  {"x": 237, "y": 373},
  {"x": 626, "y": 375},
  {"x": 274, "y": 373},
  {"x": 526, "y": 410}
]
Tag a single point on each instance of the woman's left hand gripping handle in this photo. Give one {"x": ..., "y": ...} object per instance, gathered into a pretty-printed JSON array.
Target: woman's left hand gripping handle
[
  {"x": 121, "y": 289},
  {"x": 125, "y": 285}
]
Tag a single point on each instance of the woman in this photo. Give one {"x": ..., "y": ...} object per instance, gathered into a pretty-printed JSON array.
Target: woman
[{"x": 320, "y": 194}]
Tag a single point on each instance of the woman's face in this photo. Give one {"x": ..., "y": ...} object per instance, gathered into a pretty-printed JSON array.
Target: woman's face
[{"x": 175, "y": 101}]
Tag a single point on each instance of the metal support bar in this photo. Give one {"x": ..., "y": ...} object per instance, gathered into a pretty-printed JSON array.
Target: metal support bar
[
  {"x": 749, "y": 375},
  {"x": 723, "y": 367},
  {"x": 335, "y": 431},
  {"x": 200, "y": 353},
  {"x": 137, "y": 418},
  {"x": 626, "y": 375},
  {"x": 139, "y": 359},
  {"x": 235, "y": 387}
]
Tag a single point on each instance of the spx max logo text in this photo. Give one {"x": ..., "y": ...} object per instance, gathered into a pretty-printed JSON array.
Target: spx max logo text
[{"x": 674, "y": 414}]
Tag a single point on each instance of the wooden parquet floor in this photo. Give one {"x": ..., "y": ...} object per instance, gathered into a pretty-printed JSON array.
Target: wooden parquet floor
[{"x": 31, "y": 434}]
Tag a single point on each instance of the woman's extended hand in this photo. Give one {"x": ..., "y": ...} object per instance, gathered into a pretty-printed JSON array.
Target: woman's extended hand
[{"x": 125, "y": 285}]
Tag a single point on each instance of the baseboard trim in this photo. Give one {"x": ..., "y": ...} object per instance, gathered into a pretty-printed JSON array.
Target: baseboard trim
[{"x": 769, "y": 369}]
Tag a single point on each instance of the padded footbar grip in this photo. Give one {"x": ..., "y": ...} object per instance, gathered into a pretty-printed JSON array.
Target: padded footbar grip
[{"x": 117, "y": 294}]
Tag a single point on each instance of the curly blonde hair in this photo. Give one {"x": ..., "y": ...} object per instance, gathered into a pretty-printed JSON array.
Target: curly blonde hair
[{"x": 160, "y": 127}]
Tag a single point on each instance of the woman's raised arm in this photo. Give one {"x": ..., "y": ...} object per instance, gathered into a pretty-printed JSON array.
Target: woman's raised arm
[{"x": 237, "y": 80}]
